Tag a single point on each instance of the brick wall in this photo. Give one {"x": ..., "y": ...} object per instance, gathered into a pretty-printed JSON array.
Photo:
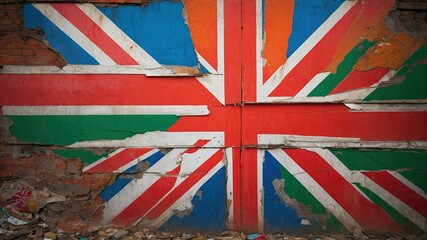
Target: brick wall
[{"x": 20, "y": 46}]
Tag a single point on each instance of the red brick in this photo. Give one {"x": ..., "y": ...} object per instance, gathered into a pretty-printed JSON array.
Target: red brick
[
  {"x": 44, "y": 52},
  {"x": 6, "y": 21},
  {"x": 96, "y": 181},
  {"x": 44, "y": 58},
  {"x": 61, "y": 166},
  {"x": 35, "y": 43},
  {"x": 7, "y": 168},
  {"x": 14, "y": 52},
  {"x": 12, "y": 61},
  {"x": 27, "y": 52}
]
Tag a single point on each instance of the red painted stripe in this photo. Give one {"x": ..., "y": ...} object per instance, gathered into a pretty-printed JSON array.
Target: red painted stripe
[
  {"x": 220, "y": 119},
  {"x": 369, "y": 216},
  {"x": 232, "y": 51},
  {"x": 360, "y": 79},
  {"x": 101, "y": 89},
  {"x": 91, "y": 30},
  {"x": 122, "y": 158},
  {"x": 249, "y": 50},
  {"x": 249, "y": 190},
  {"x": 147, "y": 200},
  {"x": 189, "y": 182},
  {"x": 200, "y": 143},
  {"x": 334, "y": 120},
  {"x": 237, "y": 185},
  {"x": 319, "y": 58},
  {"x": 399, "y": 190}
]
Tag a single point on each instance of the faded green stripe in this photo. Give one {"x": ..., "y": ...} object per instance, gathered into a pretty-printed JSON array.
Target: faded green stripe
[
  {"x": 385, "y": 159},
  {"x": 66, "y": 130},
  {"x": 346, "y": 66},
  {"x": 413, "y": 75},
  {"x": 297, "y": 191},
  {"x": 85, "y": 156},
  {"x": 417, "y": 177},
  {"x": 393, "y": 213},
  {"x": 412, "y": 164}
]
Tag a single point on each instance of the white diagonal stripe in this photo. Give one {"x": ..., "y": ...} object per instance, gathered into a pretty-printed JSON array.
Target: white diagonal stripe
[
  {"x": 315, "y": 189},
  {"x": 136, "y": 161},
  {"x": 357, "y": 176},
  {"x": 215, "y": 85},
  {"x": 312, "y": 84},
  {"x": 75, "y": 34},
  {"x": 88, "y": 167},
  {"x": 192, "y": 161},
  {"x": 137, "y": 187},
  {"x": 408, "y": 183},
  {"x": 115, "y": 33},
  {"x": 305, "y": 48},
  {"x": 206, "y": 64}
]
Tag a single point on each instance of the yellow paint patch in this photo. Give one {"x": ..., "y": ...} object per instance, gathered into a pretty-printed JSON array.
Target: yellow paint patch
[
  {"x": 278, "y": 16},
  {"x": 389, "y": 52}
]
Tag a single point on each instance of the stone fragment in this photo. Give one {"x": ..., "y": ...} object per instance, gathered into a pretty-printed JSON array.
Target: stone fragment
[{"x": 50, "y": 235}]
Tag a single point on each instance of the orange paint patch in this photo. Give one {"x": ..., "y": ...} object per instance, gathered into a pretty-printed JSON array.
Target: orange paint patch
[
  {"x": 389, "y": 53},
  {"x": 202, "y": 20},
  {"x": 367, "y": 25},
  {"x": 278, "y": 16}
]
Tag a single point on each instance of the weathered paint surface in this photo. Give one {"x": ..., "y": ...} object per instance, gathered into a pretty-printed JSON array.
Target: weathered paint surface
[
  {"x": 339, "y": 51},
  {"x": 217, "y": 148},
  {"x": 309, "y": 184}
]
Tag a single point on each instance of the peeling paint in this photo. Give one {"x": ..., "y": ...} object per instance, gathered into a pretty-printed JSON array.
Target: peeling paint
[
  {"x": 303, "y": 211},
  {"x": 390, "y": 52}
]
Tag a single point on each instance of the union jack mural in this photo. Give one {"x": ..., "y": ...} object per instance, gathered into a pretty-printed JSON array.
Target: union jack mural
[{"x": 186, "y": 100}]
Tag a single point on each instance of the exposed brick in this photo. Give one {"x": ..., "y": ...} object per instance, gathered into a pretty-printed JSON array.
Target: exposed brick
[
  {"x": 6, "y": 21},
  {"x": 7, "y": 168},
  {"x": 27, "y": 52},
  {"x": 15, "y": 37},
  {"x": 96, "y": 181},
  {"x": 14, "y": 52},
  {"x": 44, "y": 52},
  {"x": 74, "y": 166}
]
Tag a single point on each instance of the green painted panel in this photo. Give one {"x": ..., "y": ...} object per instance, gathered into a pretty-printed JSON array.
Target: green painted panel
[
  {"x": 385, "y": 159},
  {"x": 86, "y": 156},
  {"x": 414, "y": 85},
  {"x": 66, "y": 130},
  {"x": 331, "y": 81}
]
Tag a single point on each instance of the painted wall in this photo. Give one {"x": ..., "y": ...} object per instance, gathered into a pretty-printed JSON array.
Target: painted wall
[{"x": 211, "y": 115}]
